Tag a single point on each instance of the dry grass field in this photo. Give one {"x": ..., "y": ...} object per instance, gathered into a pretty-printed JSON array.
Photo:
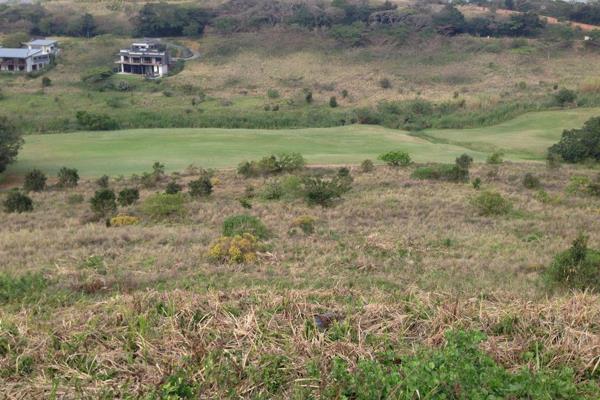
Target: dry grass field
[{"x": 91, "y": 311}]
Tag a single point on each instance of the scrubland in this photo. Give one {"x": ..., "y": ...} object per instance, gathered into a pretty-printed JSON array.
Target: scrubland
[{"x": 394, "y": 269}]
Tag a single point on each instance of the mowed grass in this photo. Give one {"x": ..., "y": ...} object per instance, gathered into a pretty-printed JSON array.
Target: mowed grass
[
  {"x": 526, "y": 137},
  {"x": 133, "y": 151}
]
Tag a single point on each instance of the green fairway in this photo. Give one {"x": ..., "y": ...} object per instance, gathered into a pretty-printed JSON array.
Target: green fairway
[
  {"x": 525, "y": 137},
  {"x": 133, "y": 151}
]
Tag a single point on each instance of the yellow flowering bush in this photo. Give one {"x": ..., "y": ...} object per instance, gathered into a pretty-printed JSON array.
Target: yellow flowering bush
[
  {"x": 305, "y": 222},
  {"x": 124, "y": 220},
  {"x": 239, "y": 249},
  {"x": 215, "y": 181}
]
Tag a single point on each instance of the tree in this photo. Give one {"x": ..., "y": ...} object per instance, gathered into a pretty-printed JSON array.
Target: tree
[
  {"x": 104, "y": 203},
  {"x": 10, "y": 143},
  {"x": 450, "y": 21},
  {"x": 35, "y": 181},
  {"x": 577, "y": 145}
]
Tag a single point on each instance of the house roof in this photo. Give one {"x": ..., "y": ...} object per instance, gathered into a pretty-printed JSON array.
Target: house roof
[
  {"x": 17, "y": 53},
  {"x": 41, "y": 42}
]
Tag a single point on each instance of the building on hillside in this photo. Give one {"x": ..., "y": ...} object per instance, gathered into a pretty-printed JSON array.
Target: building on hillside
[
  {"x": 148, "y": 58},
  {"x": 36, "y": 56},
  {"x": 47, "y": 46}
]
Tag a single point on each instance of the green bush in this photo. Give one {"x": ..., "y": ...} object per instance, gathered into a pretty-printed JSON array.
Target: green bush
[
  {"x": 201, "y": 187},
  {"x": 272, "y": 191},
  {"x": 272, "y": 94},
  {"x": 128, "y": 196},
  {"x": 272, "y": 165},
  {"x": 531, "y": 181},
  {"x": 578, "y": 145},
  {"x": 17, "y": 202},
  {"x": 367, "y": 166},
  {"x": 476, "y": 183},
  {"x": 96, "y": 122},
  {"x": 441, "y": 172},
  {"x": 97, "y": 75},
  {"x": 385, "y": 83},
  {"x": 317, "y": 191},
  {"x": 565, "y": 96},
  {"x": 333, "y": 102},
  {"x": 104, "y": 203},
  {"x": 237, "y": 225},
  {"x": 495, "y": 158},
  {"x": 458, "y": 370},
  {"x": 35, "y": 181},
  {"x": 173, "y": 188},
  {"x": 68, "y": 177},
  {"x": 46, "y": 82},
  {"x": 162, "y": 205},
  {"x": 103, "y": 181},
  {"x": 491, "y": 203},
  {"x": 576, "y": 268},
  {"x": 396, "y": 158}
]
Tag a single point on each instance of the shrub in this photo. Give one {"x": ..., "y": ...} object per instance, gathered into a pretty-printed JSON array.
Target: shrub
[
  {"x": 240, "y": 224},
  {"x": 124, "y": 220},
  {"x": 96, "y": 122},
  {"x": 385, "y": 83},
  {"x": 576, "y": 268},
  {"x": 317, "y": 191},
  {"x": 305, "y": 223},
  {"x": 46, "y": 82},
  {"x": 104, "y": 202},
  {"x": 173, "y": 188},
  {"x": 97, "y": 75},
  {"x": 495, "y": 158},
  {"x": 464, "y": 162},
  {"x": 333, "y": 102},
  {"x": 239, "y": 249},
  {"x": 491, "y": 203},
  {"x": 578, "y": 145},
  {"x": 477, "y": 183},
  {"x": 68, "y": 177},
  {"x": 128, "y": 197},
  {"x": 367, "y": 166},
  {"x": 35, "y": 181},
  {"x": 17, "y": 202},
  {"x": 396, "y": 158},
  {"x": 103, "y": 181},
  {"x": 272, "y": 165},
  {"x": 162, "y": 206},
  {"x": 531, "y": 181},
  {"x": 272, "y": 94},
  {"x": 201, "y": 187},
  {"x": 578, "y": 185},
  {"x": 565, "y": 96},
  {"x": 441, "y": 172},
  {"x": 272, "y": 191}
]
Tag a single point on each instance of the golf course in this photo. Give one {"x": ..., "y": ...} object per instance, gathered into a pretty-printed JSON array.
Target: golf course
[{"x": 525, "y": 138}]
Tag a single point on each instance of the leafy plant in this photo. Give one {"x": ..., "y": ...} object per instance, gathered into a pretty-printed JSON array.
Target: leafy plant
[
  {"x": 104, "y": 202},
  {"x": 367, "y": 166},
  {"x": 317, "y": 191},
  {"x": 68, "y": 177},
  {"x": 531, "y": 181},
  {"x": 576, "y": 268},
  {"x": 491, "y": 203},
  {"x": 238, "y": 249},
  {"x": 495, "y": 158},
  {"x": 17, "y": 202},
  {"x": 173, "y": 188},
  {"x": 237, "y": 225},
  {"x": 103, "y": 181},
  {"x": 201, "y": 187},
  {"x": 162, "y": 205},
  {"x": 396, "y": 158},
  {"x": 35, "y": 181},
  {"x": 128, "y": 196}
]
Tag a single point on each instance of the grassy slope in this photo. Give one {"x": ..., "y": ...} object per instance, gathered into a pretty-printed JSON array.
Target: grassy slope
[
  {"x": 125, "y": 152},
  {"x": 525, "y": 137}
]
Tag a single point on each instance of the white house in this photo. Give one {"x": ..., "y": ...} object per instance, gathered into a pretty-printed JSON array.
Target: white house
[
  {"x": 35, "y": 56},
  {"x": 144, "y": 58},
  {"x": 46, "y": 45}
]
